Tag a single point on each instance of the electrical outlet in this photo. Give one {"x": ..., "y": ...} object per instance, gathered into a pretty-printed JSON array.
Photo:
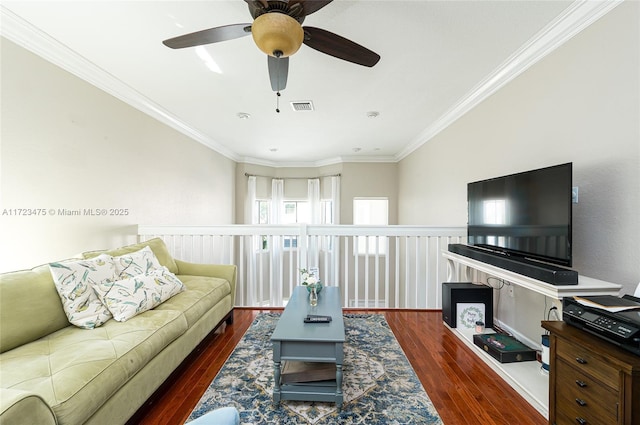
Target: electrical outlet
[
  {"x": 574, "y": 194},
  {"x": 511, "y": 291}
]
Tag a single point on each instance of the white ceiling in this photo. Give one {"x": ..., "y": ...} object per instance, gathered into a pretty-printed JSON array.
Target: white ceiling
[{"x": 439, "y": 59}]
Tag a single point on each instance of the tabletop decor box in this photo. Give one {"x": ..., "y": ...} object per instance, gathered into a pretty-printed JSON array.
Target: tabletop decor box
[{"x": 504, "y": 348}]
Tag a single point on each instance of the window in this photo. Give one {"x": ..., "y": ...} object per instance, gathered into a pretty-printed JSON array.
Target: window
[
  {"x": 327, "y": 212},
  {"x": 263, "y": 211},
  {"x": 294, "y": 212},
  {"x": 263, "y": 218},
  {"x": 371, "y": 211},
  {"x": 290, "y": 241}
]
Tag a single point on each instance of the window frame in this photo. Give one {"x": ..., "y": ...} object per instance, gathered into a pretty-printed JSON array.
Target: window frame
[{"x": 367, "y": 245}]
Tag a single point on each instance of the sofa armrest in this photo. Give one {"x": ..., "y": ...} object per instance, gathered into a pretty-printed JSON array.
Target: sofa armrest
[
  {"x": 22, "y": 407},
  {"x": 223, "y": 271}
]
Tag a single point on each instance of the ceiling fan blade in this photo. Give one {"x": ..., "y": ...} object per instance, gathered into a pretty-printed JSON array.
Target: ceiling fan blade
[
  {"x": 311, "y": 6},
  {"x": 212, "y": 35},
  {"x": 339, "y": 47},
  {"x": 278, "y": 71}
]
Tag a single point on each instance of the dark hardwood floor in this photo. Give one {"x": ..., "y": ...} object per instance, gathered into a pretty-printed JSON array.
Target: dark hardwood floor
[{"x": 462, "y": 388}]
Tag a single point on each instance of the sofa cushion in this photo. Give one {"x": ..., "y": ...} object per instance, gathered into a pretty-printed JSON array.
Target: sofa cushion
[
  {"x": 202, "y": 294},
  {"x": 136, "y": 263},
  {"x": 74, "y": 281},
  {"x": 134, "y": 295},
  {"x": 77, "y": 370},
  {"x": 157, "y": 245},
  {"x": 30, "y": 307}
]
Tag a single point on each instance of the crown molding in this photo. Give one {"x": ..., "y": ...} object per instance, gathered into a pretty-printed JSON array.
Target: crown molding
[
  {"x": 578, "y": 16},
  {"x": 367, "y": 158},
  {"x": 21, "y": 32},
  {"x": 315, "y": 164}
]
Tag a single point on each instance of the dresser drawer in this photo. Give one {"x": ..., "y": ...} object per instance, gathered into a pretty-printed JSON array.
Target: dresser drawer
[
  {"x": 584, "y": 361},
  {"x": 579, "y": 396},
  {"x": 566, "y": 418}
]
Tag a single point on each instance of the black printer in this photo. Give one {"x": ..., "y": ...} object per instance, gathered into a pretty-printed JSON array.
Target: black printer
[{"x": 615, "y": 319}]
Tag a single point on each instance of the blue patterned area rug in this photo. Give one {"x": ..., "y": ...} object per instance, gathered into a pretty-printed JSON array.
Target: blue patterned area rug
[{"x": 380, "y": 386}]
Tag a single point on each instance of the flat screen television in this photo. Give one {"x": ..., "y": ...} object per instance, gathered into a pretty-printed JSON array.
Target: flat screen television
[{"x": 525, "y": 215}]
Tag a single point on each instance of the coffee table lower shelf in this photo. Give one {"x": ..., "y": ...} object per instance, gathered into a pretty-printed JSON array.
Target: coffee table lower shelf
[
  {"x": 329, "y": 390},
  {"x": 325, "y": 391}
]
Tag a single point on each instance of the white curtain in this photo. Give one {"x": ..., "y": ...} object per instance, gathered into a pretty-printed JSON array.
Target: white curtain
[
  {"x": 313, "y": 194},
  {"x": 315, "y": 217},
  {"x": 253, "y": 242},
  {"x": 335, "y": 199},
  {"x": 250, "y": 209},
  {"x": 335, "y": 215},
  {"x": 277, "y": 201},
  {"x": 276, "y": 246}
]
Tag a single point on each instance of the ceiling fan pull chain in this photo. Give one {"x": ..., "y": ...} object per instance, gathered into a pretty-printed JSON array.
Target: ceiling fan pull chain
[{"x": 278, "y": 54}]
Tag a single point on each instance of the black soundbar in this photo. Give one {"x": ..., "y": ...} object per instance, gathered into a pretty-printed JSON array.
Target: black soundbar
[{"x": 545, "y": 272}]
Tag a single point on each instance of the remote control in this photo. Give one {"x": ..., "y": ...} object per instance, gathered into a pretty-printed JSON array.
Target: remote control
[
  {"x": 321, "y": 316},
  {"x": 317, "y": 319}
]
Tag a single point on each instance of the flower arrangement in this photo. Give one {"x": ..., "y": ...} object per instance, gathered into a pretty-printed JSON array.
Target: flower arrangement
[{"x": 310, "y": 280}]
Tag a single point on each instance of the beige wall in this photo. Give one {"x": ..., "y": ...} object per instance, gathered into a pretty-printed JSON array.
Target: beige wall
[
  {"x": 580, "y": 104},
  {"x": 68, "y": 145}
]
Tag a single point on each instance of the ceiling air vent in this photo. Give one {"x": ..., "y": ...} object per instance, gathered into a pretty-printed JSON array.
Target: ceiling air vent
[{"x": 302, "y": 105}]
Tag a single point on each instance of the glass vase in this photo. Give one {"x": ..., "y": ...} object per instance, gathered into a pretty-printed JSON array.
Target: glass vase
[{"x": 313, "y": 296}]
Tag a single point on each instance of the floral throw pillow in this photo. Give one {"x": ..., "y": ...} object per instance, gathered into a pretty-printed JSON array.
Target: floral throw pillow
[
  {"x": 134, "y": 295},
  {"x": 74, "y": 281},
  {"x": 136, "y": 263}
]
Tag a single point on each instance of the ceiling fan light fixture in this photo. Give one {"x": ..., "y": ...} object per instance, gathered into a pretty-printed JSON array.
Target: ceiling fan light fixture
[{"x": 277, "y": 34}]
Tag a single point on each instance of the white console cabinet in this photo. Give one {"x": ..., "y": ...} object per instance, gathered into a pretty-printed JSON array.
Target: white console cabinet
[
  {"x": 460, "y": 269},
  {"x": 526, "y": 378}
]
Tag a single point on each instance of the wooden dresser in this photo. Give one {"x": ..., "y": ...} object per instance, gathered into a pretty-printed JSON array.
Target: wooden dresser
[{"x": 592, "y": 382}]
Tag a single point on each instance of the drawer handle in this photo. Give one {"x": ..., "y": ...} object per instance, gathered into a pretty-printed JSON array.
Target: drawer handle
[
  {"x": 581, "y": 402},
  {"x": 581, "y": 360},
  {"x": 581, "y": 421},
  {"x": 580, "y": 383}
]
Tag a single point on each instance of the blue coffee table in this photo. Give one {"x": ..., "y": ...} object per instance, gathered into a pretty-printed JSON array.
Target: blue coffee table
[{"x": 294, "y": 340}]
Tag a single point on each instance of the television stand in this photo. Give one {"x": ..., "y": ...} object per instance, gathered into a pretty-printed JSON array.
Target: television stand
[
  {"x": 460, "y": 267},
  {"x": 524, "y": 377}
]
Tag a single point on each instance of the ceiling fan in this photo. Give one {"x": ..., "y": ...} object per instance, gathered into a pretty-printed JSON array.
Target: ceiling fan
[{"x": 277, "y": 31}]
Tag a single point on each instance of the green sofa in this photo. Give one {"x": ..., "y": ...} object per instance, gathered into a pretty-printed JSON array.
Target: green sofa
[{"x": 52, "y": 372}]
